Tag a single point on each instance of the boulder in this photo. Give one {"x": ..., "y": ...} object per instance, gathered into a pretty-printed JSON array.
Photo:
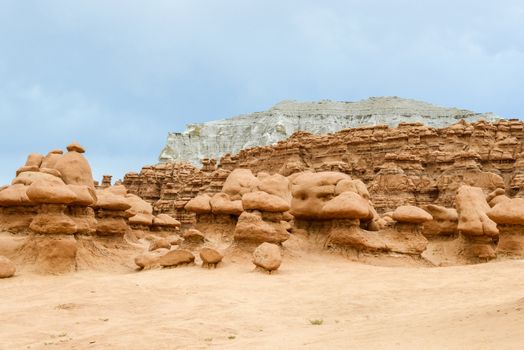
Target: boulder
[
  {"x": 50, "y": 192},
  {"x": 14, "y": 195},
  {"x": 75, "y": 147},
  {"x": 311, "y": 191},
  {"x": 509, "y": 212},
  {"x": 411, "y": 214},
  {"x": 222, "y": 204},
  {"x": 276, "y": 185},
  {"x": 267, "y": 256},
  {"x": 199, "y": 204},
  {"x": 85, "y": 195},
  {"x": 7, "y": 268},
  {"x": 110, "y": 201},
  {"x": 263, "y": 201},
  {"x": 150, "y": 259},
  {"x": 210, "y": 257},
  {"x": 28, "y": 177},
  {"x": 251, "y": 227},
  {"x": 34, "y": 159},
  {"x": 347, "y": 205},
  {"x": 193, "y": 236},
  {"x": 350, "y": 185},
  {"x": 75, "y": 169},
  {"x": 176, "y": 257},
  {"x": 51, "y": 158},
  {"x": 240, "y": 182},
  {"x": 159, "y": 243},
  {"x": 141, "y": 212},
  {"x": 444, "y": 223},
  {"x": 165, "y": 220}
]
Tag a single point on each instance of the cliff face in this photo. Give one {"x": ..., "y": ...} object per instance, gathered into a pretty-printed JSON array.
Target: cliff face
[
  {"x": 409, "y": 164},
  {"x": 217, "y": 138}
]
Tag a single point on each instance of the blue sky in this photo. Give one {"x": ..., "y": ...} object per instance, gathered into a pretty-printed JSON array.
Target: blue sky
[{"x": 118, "y": 75}]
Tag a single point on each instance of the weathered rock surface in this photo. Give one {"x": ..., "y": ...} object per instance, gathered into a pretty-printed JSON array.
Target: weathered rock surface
[
  {"x": 210, "y": 257},
  {"x": 215, "y": 139},
  {"x": 267, "y": 256},
  {"x": 7, "y": 267},
  {"x": 176, "y": 257}
]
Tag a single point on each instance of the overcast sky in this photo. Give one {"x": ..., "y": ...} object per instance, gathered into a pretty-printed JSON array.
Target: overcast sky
[{"x": 119, "y": 75}]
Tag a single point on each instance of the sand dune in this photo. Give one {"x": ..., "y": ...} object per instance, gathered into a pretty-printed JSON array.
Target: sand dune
[{"x": 360, "y": 306}]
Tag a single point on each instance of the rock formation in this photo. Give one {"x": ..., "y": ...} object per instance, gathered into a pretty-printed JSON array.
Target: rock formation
[
  {"x": 411, "y": 164},
  {"x": 217, "y": 138},
  {"x": 478, "y": 231}
]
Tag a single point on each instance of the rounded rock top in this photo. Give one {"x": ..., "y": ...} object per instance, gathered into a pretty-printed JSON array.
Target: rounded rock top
[
  {"x": 75, "y": 147},
  {"x": 411, "y": 214}
]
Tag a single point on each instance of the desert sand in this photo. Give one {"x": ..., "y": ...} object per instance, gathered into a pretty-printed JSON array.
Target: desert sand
[{"x": 359, "y": 306}]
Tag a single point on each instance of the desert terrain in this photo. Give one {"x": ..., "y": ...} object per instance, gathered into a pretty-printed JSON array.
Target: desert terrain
[{"x": 316, "y": 300}]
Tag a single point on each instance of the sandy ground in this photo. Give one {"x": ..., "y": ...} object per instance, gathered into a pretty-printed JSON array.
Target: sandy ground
[{"x": 359, "y": 306}]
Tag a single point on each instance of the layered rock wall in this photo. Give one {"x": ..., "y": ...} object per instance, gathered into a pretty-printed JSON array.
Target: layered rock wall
[
  {"x": 410, "y": 164},
  {"x": 217, "y": 138}
]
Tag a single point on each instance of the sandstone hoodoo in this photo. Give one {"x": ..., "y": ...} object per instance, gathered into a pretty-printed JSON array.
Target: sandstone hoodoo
[
  {"x": 509, "y": 216},
  {"x": 418, "y": 193},
  {"x": 479, "y": 232}
]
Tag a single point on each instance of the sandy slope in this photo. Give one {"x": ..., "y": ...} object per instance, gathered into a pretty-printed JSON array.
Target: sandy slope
[{"x": 361, "y": 306}]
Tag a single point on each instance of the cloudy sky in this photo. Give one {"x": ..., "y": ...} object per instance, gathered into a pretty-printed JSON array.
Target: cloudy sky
[{"x": 118, "y": 75}]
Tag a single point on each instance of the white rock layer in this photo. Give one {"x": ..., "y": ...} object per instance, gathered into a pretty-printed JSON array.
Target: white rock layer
[{"x": 217, "y": 138}]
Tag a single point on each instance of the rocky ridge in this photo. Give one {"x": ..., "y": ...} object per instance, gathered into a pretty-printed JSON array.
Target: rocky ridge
[{"x": 217, "y": 138}]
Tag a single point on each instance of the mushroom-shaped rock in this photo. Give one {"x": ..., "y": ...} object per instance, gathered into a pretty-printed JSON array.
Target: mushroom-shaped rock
[
  {"x": 240, "y": 182},
  {"x": 14, "y": 195},
  {"x": 276, "y": 184},
  {"x": 50, "y": 191},
  {"x": 267, "y": 256},
  {"x": 193, "y": 236},
  {"x": 200, "y": 204},
  {"x": 159, "y": 243},
  {"x": 251, "y": 227},
  {"x": 149, "y": 259},
  {"x": 107, "y": 200},
  {"x": 222, "y": 204},
  {"x": 445, "y": 221},
  {"x": 176, "y": 257},
  {"x": 141, "y": 212},
  {"x": 478, "y": 233},
  {"x": 311, "y": 191},
  {"x": 263, "y": 201},
  {"x": 472, "y": 208},
  {"x": 347, "y": 205},
  {"x": 510, "y": 212},
  {"x": 165, "y": 220},
  {"x": 75, "y": 169},
  {"x": 7, "y": 268},
  {"x": 85, "y": 195},
  {"x": 75, "y": 147},
  {"x": 411, "y": 214},
  {"x": 210, "y": 257},
  {"x": 355, "y": 186}
]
